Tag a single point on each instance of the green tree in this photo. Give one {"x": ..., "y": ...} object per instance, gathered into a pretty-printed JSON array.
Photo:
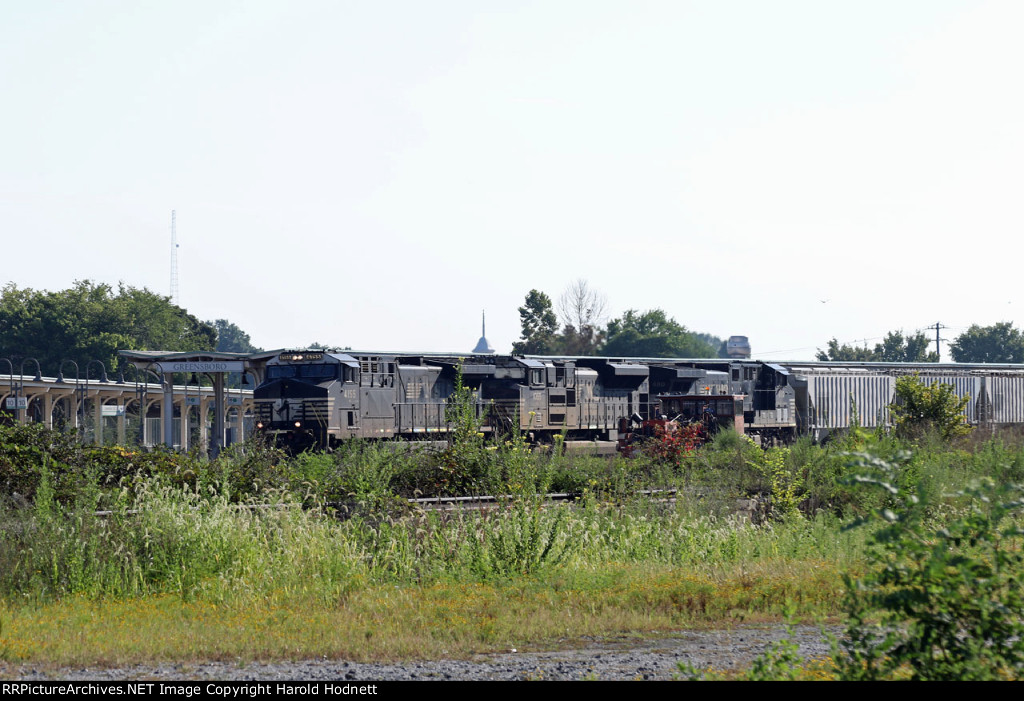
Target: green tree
[
  {"x": 540, "y": 326},
  {"x": 1000, "y": 343},
  {"x": 894, "y": 348},
  {"x": 231, "y": 339},
  {"x": 919, "y": 408},
  {"x": 845, "y": 352},
  {"x": 715, "y": 342},
  {"x": 652, "y": 334},
  {"x": 92, "y": 321}
]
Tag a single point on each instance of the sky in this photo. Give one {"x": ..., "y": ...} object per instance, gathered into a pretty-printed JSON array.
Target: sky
[{"x": 375, "y": 175}]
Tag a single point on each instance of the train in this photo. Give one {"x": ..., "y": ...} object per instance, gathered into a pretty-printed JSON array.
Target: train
[{"x": 322, "y": 398}]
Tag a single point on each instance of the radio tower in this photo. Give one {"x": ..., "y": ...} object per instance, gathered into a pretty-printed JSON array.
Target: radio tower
[{"x": 174, "y": 259}]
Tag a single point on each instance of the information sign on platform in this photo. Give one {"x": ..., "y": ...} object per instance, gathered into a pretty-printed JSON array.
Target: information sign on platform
[{"x": 17, "y": 403}]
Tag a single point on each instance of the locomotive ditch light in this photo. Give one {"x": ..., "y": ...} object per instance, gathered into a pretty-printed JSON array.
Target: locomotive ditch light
[
  {"x": 259, "y": 425},
  {"x": 298, "y": 424}
]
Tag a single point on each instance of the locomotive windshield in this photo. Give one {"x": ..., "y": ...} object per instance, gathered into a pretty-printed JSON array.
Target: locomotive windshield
[{"x": 316, "y": 373}]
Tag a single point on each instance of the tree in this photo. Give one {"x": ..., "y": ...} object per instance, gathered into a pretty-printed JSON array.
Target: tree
[
  {"x": 582, "y": 311},
  {"x": 540, "y": 326},
  {"x": 231, "y": 339},
  {"x": 845, "y": 352},
  {"x": 715, "y": 342},
  {"x": 652, "y": 334},
  {"x": 92, "y": 322},
  {"x": 894, "y": 348},
  {"x": 1000, "y": 343}
]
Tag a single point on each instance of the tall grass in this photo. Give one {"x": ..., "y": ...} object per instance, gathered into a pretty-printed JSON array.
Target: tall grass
[
  {"x": 161, "y": 538},
  {"x": 171, "y": 533},
  {"x": 250, "y": 533}
]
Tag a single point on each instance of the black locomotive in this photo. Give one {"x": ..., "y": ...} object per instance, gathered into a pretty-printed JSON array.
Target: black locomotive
[{"x": 320, "y": 398}]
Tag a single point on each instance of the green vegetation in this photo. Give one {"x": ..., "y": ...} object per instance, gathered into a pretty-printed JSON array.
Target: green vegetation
[
  {"x": 999, "y": 343},
  {"x": 946, "y": 574},
  {"x": 894, "y": 348},
  {"x": 919, "y": 409},
  {"x": 231, "y": 339},
  {"x": 540, "y": 326},
  {"x": 581, "y": 310},
  {"x": 258, "y": 555},
  {"x": 92, "y": 321},
  {"x": 653, "y": 334}
]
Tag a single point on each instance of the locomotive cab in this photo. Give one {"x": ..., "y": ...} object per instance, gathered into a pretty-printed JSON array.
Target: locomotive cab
[{"x": 298, "y": 394}]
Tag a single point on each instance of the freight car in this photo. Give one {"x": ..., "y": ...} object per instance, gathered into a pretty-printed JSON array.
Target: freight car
[{"x": 831, "y": 395}]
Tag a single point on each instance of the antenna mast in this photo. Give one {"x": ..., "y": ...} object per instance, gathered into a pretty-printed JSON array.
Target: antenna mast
[{"x": 174, "y": 258}]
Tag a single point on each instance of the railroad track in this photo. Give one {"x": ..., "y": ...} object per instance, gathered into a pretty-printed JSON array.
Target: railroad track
[{"x": 485, "y": 501}]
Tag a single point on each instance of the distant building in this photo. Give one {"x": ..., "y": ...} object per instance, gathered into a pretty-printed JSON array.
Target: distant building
[
  {"x": 738, "y": 347},
  {"x": 483, "y": 345}
]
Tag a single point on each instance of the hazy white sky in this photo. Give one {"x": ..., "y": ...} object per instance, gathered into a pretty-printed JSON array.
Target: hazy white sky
[{"x": 374, "y": 174}]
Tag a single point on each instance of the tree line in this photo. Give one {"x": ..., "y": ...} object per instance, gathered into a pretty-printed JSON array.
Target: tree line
[
  {"x": 578, "y": 325},
  {"x": 581, "y": 327},
  {"x": 91, "y": 321},
  {"x": 999, "y": 343}
]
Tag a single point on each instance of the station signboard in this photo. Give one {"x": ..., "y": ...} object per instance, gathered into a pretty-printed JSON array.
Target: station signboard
[{"x": 204, "y": 366}]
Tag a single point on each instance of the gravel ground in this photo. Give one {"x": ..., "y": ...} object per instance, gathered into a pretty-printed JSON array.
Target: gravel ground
[{"x": 650, "y": 659}]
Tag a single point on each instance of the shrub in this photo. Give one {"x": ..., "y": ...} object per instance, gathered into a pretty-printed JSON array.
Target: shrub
[
  {"x": 949, "y": 591},
  {"x": 786, "y": 482},
  {"x": 920, "y": 408}
]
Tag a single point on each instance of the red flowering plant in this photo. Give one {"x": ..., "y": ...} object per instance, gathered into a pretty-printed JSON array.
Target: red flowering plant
[{"x": 673, "y": 441}]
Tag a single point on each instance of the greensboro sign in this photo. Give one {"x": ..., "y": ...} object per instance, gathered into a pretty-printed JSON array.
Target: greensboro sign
[{"x": 211, "y": 366}]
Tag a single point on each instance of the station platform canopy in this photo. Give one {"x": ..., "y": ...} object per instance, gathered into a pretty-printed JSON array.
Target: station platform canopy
[
  {"x": 212, "y": 363},
  {"x": 197, "y": 361}
]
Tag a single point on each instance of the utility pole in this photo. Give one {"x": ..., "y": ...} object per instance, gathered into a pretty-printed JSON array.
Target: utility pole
[{"x": 938, "y": 326}]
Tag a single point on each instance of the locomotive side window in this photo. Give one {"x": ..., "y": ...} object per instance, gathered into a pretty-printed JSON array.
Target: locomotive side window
[{"x": 536, "y": 376}]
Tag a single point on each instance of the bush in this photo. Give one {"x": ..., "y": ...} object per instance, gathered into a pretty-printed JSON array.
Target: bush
[
  {"x": 921, "y": 408},
  {"x": 949, "y": 590}
]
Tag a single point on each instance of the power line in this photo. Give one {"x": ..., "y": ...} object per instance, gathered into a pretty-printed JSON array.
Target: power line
[{"x": 936, "y": 327}]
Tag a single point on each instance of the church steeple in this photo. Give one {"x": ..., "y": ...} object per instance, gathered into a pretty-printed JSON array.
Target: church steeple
[{"x": 483, "y": 345}]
